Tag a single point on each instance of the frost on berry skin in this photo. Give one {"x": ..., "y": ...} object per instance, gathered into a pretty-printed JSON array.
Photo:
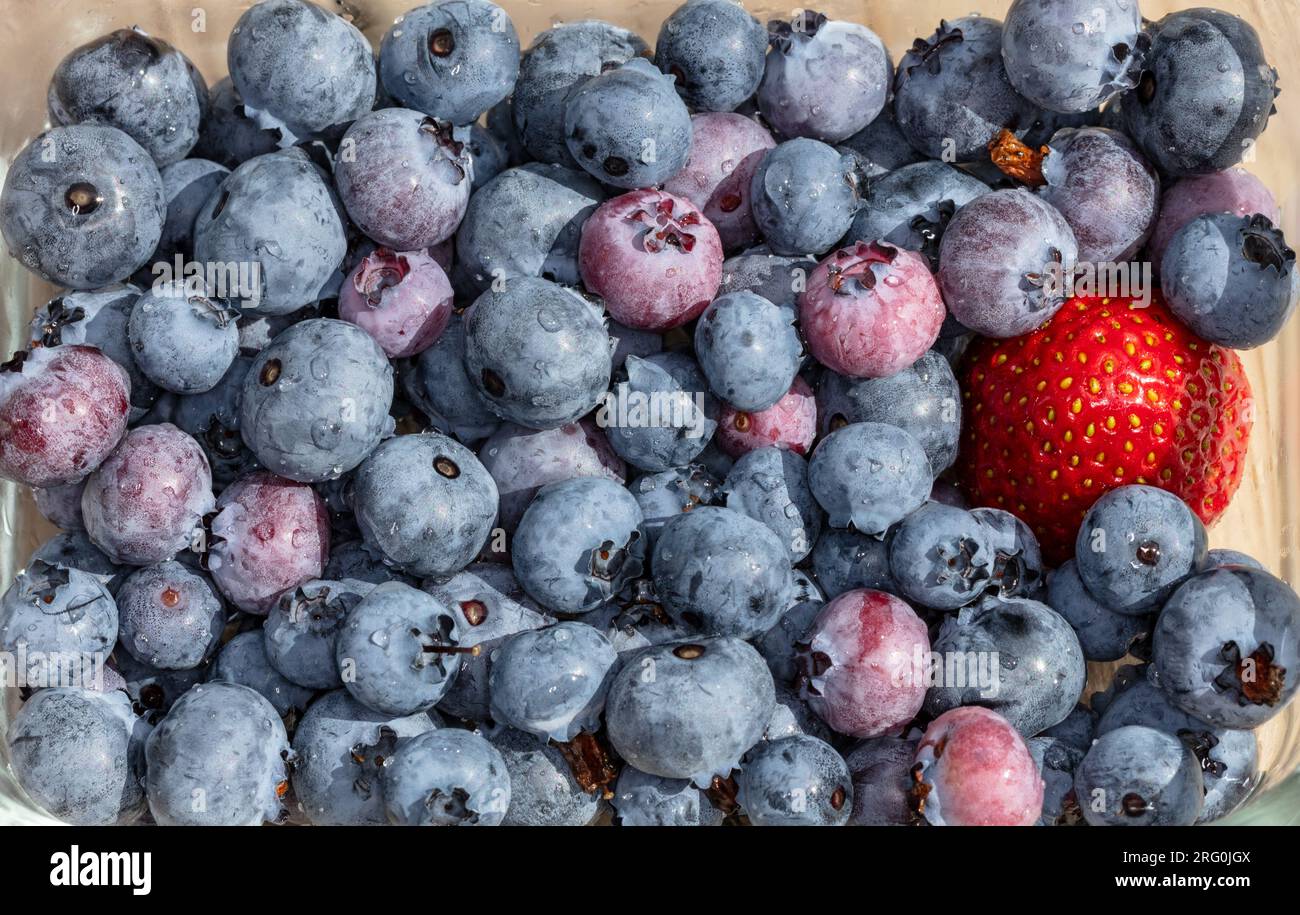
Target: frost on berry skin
[
  {"x": 1074, "y": 55},
  {"x": 96, "y": 318},
  {"x": 302, "y": 65},
  {"x": 358, "y": 561},
  {"x": 79, "y": 754},
  {"x": 54, "y": 615},
  {"x": 269, "y": 534},
  {"x": 725, "y": 151},
  {"x": 526, "y": 222},
  {"x": 996, "y": 260},
  {"x": 398, "y": 650},
  {"x": 181, "y": 340},
  {"x": 666, "y": 494},
  {"x": 302, "y": 628},
  {"x": 690, "y": 709},
  {"x": 228, "y": 135},
  {"x": 789, "y": 423},
  {"x": 1139, "y": 776},
  {"x": 451, "y": 60},
  {"x": 169, "y": 617},
  {"x": 1225, "y": 647},
  {"x": 941, "y": 557},
  {"x": 973, "y": 769},
  {"x": 715, "y": 51},
  {"x": 911, "y": 207},
  {"x": 858, "y": 663},
  {"x": 436, "y": 381},
  {"x": 804, "y": 196},
  {"x": 341, "y": 746},
  {"x": 824, "y": 78},
  {"x": 653, "y": 257},
  {"x": 552, "y": 682},
  {"x": 777, "y": 279},
  {"x": 446, "y": 777},
  {"x": 1034, "y": 668},
  {"x": 1104, "y": 188},
  {"x": 641, "y": 799},
  {"x": 1233, "y": 190},
  {"x": 663, "y": 415},
  {"x": 770, "y": 485},
  {"x": 60, "y": 504},
  {"x": 558, "y": 61},
  {"x": 578, "y": 544},
  {"x": 227, "y": 742},
  {"x": 881, "y": 770},
  {"x": 62, "y": 411},
  {"x": 1216, "y": 559},
  {"x": 82, "y": 206},
  {"x": 795, "y": 781},
  {"x": 404, "y": 177},
  {"x": 425, "y": 502},
  {"x": 522, "y": 461},
  {"x": 316, "y": 400},
  {"x": 403, "y": 300},
  {"x": 277, "y": 211},
  {"x": 722, "y": 572},
  {"x": 144, "y": 503},
  {"x": 749, "y": 349},
  {"x": 538, "y": 352},
  {"x": 951, "y": 92},
  {"x": 845, "y": 560},
  {"x": 1205, "y": 94},
  {"x": 187, "y": 185},
  {"x": 871, "y": 310},
  {"x": 489, "y": 606},
  {"x": 543, "y": 789},
  {"x": 869, "y": 475},
  {"x": 243, "y": 660}
]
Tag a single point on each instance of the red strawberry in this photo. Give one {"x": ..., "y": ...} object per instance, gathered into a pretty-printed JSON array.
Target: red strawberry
[{"x": 1105, "y": 394}]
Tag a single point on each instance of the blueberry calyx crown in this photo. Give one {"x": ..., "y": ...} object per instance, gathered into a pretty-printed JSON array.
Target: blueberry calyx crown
[
  {"x": 370, "y": 759},
  {"x": 781, "y": 34},
  {"x": 931, "y": 230},
  {"x": 82, "y": 198},
  {"x": 1263, "y": 244},
  {"x": 59, "y": 316},
  {"x": 443, "y": 132},
  {"x": 1254, "y": 678},
  {"x": 665, "y": 229},
  {"x": 930, "y": 50},
  {"x": 1201, "y": 743},
  {"x": 15, "y": 362},
  {"x": 441, "y": 42},
  {"x": 860, "y": 273},
  {"x": 220, "y": 313}
]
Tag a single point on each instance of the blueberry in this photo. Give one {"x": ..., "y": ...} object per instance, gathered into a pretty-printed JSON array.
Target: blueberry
[
  {"x": 153, "y": 692},
  {"x": 1029, "y": 660},
  {"x": 552, "y": 682},
  {"x": 1017, "y": 559},
  {"x": 556, "y": 64},
  {"x": 55, "y": 617},
  {"x": 244, "y": 660},
  {"x": 446, "y": 778},
  {"x": 795, "y": 781},
  {"x": 356, "y": 560},
  {"x": 800, "y": 97},
  {"x": 880, "y": 147},
  {"x": 537, "y": 352},
  {"x": 1104, "y": 635},
  {"x": 1205, "y": 93},
  {"x": 138, "y": 84},
  {"x": 489, "y": 606},
  {"x": 578, "y": 544},
  {"x": 82, "y": 206},
  {"x": 187, "y": 185},
  {"x": 228, "y": 135},
  {"x": 437, "y": 382},
  {"x": 79, "y": 754},
  {"x": 543, "y": 790},
  {"x": 722, "y": 572},
  {"x": 74, "y": 550},
  {"x": 311, "y": 69},
  {"x": 804, "y": 196},
  {"x": 770, "y": 485},
  {"x": 1078, "y": 729},
  {"x": 182, "y": 341},
  {"x": 627, "y": 127},
  {"x": 869, "y": 475},
  {"x": 212, "y": 419},
  {"x": 951, "y": 92},
  {"x": 488, "y": 155},
  {"x": 526, "y": 222},
  {"x": 1136, "y": 545},
  {"x": 60, "y": 504},
  {"x": 1231, "y": 279},
  {"x": 923, "y": 399},
  {"x": 1138, "y": 776},
  {"x": 1215, "y": 559},
  {"x": 668, "y": 415},
  {"x": 277, "y": 215},
  {"x": 911, "y": 207},
  {"x": 500, "y": 121},
  {"x": 452, "y": 60},
  {"x": 404, "y": 178},
  {"x": 218, "y": 759},
  {"x": 881, "y": 770},
  {"x": 666, "y": 494},
  {"x": 777, "y": 279},
  {"x": 341, "y": 747},
  {"x": 1228, "y": 758},
  {"x": 633, "y": 341},
  {"x": 845, "y": 560},
  {"x": 715, "y": 51},
  {"x": 641, "y": 799},
  {"x": 315, "y": 402},
  {"x": 1225, "y": 646},
  {"x": 941, "y": 557},
  {"x": 301, "y": 630},
  {"x": 1096, "y": 51},
  {"x": 748, "y": 349},
  {"x": 690, "y": 709},
  {"x": 398, "y": 650},
  {"x": 169, "y": 617},
  {"x": 1057, "y": 762},
  {"x": 425, "y": 502}
]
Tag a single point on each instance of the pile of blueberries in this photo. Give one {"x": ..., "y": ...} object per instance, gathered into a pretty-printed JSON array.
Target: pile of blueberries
[{"x": 563, "y": 437}]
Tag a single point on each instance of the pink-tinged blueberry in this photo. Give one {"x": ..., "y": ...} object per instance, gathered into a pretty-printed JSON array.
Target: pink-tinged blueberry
[
  {"x": 403, "y": 300},
  {"x": 725, "y": 151},
  {"x": 1233, "y": 190},
  {"x": 789, "y": 423}
]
